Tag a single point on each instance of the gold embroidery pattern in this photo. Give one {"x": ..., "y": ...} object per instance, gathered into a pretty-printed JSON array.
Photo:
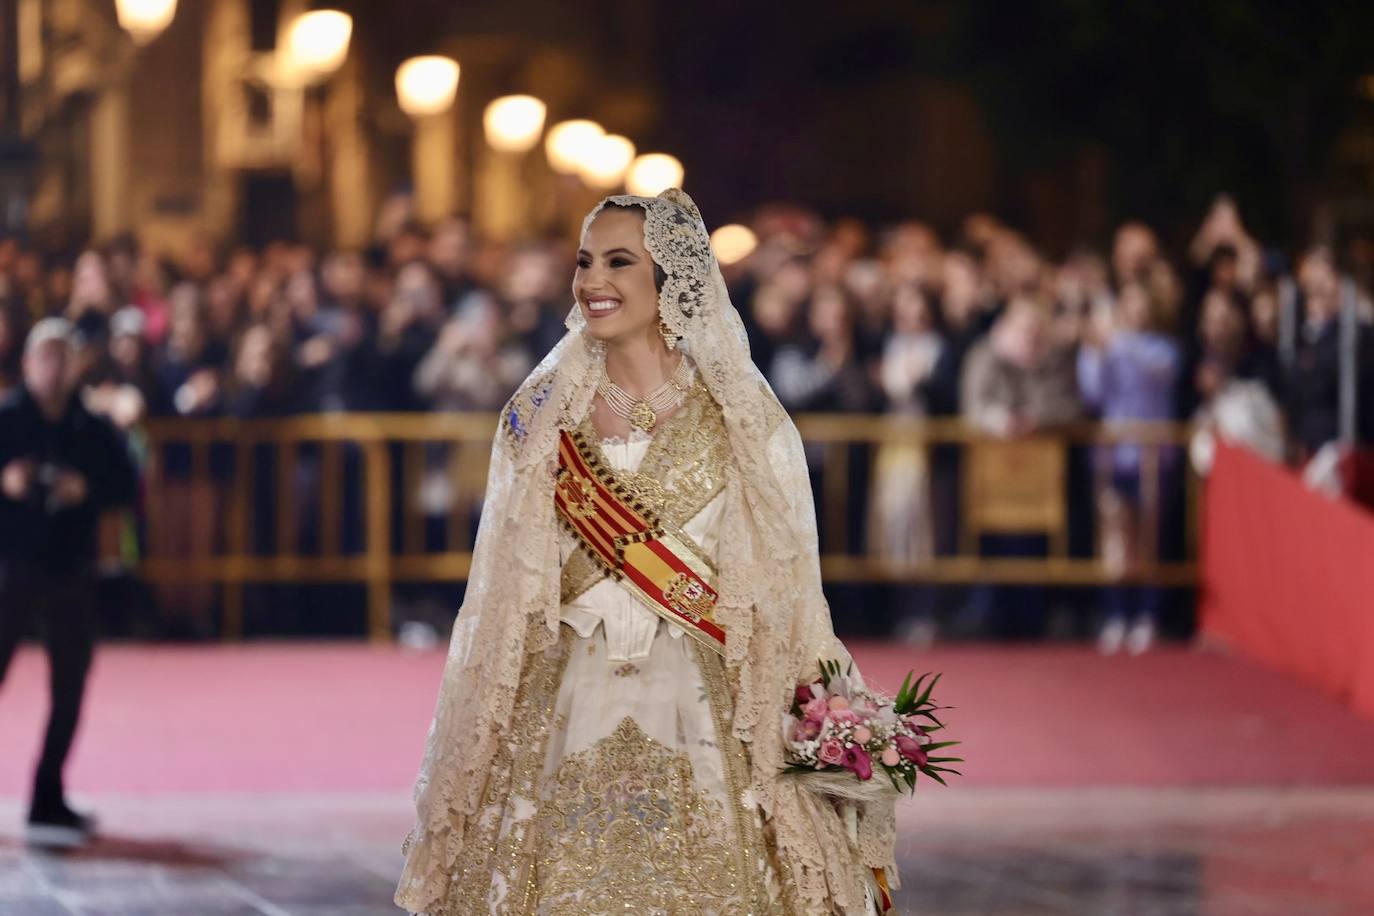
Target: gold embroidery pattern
[
  {"x": 753, "y": 853},
  {"x": 645, "y": 490},
  {"x": 577, "y": 493},
  {"x": 628, "y": 830},
  {"x": 495, "y": 873},
  {"x": 689, "y": 598},
  {"x": 682, "y": 470},
  {"x": 691, "y": 464}
]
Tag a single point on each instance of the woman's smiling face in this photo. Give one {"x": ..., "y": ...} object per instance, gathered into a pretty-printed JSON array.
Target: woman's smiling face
[{"x": 614, "y": 282}]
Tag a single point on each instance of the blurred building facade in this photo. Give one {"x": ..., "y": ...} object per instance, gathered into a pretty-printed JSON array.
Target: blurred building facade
[
  {"x": 202, "y": 132},
  {"x": 1056, "y": 116}
]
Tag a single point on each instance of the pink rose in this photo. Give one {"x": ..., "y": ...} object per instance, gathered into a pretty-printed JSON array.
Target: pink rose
[
  {"x": 911, "y": 750},
  {"x": 891, "y": 757},
  {"x": 862, "y": 734},
  {"x": 856, "y": 759},
  {"x": 816, "y": 709},
  {"x": 831, "y": 752},
  {"x": 843, "y": 716},
  {"x": 805, "y": 730},
  {"x": 839, "y": 703}
]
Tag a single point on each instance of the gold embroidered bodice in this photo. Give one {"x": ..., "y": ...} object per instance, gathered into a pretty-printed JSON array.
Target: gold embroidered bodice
[{"x": 683, "y": 469}]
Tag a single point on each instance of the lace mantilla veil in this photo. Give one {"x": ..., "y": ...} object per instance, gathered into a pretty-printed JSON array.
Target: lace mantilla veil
[{"x": 770, "y": 599}]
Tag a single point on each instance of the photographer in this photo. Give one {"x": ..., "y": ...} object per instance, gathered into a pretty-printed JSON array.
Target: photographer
[{"x": 60, "y": 466}]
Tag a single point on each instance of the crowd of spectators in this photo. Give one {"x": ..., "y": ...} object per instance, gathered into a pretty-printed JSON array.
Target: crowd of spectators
[
  {"x": 428, "y": 320},
  {"x": 841, "y": 317}
]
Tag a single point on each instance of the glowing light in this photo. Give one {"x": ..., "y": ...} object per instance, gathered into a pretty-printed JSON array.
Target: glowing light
[
  {"x": 733, "y": 243},
  {"x": 571, "y": 143},
  {"x": 317, "y": 42},
  {"x": 654, "y": 172},
  {"x": 513, "y": 123},
  {"x": 426, "y": 85},
  {"x": 144, "y": 20},
  {"x": 607, "y": 162}
]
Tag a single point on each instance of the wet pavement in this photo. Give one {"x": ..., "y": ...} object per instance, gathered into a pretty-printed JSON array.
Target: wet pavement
[{"x": 1009, "y": 852}]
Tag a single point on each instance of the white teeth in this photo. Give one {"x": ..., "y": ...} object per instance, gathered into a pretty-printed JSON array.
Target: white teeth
[{"x": 602, "y": 305}]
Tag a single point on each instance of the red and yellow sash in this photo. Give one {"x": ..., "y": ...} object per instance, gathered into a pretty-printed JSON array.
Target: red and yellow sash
[
  {"x": 884, "y": 892},
  {"x": 629, "y": 542}
]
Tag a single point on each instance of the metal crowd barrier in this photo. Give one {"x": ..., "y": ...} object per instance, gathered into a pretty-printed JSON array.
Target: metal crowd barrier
[{"x": 384, "y": 499}]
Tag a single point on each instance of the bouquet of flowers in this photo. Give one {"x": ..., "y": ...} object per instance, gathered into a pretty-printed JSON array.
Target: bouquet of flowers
[{"x": 840, "y": 733}]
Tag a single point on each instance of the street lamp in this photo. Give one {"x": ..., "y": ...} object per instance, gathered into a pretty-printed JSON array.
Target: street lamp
[
  {"x": 654, "y": 172},
  {"x": 513, "y": 123},
  {"x": 426, "y": 85},
  {"x": 571, "y": 143},
  {"x": 111, "y": 139},
  {"x": 317, "y": 42},
  {"x": 606, "y": 161},
  {"x": 425, "y": 89},
  {"x": 144, "y": 20}
]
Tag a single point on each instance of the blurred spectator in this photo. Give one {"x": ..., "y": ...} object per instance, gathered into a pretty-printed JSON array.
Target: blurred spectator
[
  {"x": 332, "y": 356},
  {"x": 91, "y": 292},
  {"x": 448, "y": 253},
  {"x": 870, "y": 289},
  {"x": 13, "y": 326},
  {"x": 150, "y": 297},
  {"x": 1133, "y": 249},
  {"x": 900, "y": 518},
  {"x": 536, "y": 296},
  {"x": 261, "y": 382},
  {"x": 910, "y": 353},
  {"x": 60, "y": 466},
  {"x": 119, "y": 385},
  {"x": 1222, "y": 244},
  {"x": 822, "y": 372},
  {"x": 1264, "y": 317},
  {"x": 1082, "y": 296},
  {"x": 1313, "y": 385},
  {"x": 188, "y": 373},
  {"x": 966, "y": 314},
  {"x": 1018, "y": 381},
  {"x": 406, "y": 328},
  {"x": 28, "y": 278},
  {"x": 1128, "y": 371},
  {"x": 1227, "y": 400},
  {"x": 471, "y": 366},
  {"x": 900, "y": 529},
  {"x": 773, "y": 315}
]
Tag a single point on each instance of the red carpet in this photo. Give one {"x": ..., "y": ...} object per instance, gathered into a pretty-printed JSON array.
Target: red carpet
[{"x": 351, "y": 717}]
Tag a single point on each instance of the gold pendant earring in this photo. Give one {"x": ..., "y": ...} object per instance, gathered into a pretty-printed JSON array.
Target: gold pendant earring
[{"x": 669, "y": 338}]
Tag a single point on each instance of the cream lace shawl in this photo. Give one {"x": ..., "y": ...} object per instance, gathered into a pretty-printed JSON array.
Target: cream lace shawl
[{"x": 770, "y": 603}]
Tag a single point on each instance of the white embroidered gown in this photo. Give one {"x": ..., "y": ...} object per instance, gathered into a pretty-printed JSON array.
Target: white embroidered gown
[
  {"x": 638, "y": 808},
  {"x": 622, "y": 788}
]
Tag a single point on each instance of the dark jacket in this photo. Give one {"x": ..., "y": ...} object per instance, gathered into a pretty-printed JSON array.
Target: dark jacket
[
  {"x": 1312, "y": 390},
  {"x": 33, "y": 534}
]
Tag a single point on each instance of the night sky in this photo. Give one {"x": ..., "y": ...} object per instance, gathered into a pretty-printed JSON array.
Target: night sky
[{"x": 1096, "y": 110}]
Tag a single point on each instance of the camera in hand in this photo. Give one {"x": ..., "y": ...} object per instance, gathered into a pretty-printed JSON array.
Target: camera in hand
[{"x": 44, "y": 492}]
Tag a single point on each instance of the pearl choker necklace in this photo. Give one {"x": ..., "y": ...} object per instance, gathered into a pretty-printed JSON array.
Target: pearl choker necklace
[{"x": 642, "y": 413}]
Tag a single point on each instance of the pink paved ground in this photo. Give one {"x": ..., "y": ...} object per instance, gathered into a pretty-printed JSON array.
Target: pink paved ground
[{"x": 324, "y": 717}]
